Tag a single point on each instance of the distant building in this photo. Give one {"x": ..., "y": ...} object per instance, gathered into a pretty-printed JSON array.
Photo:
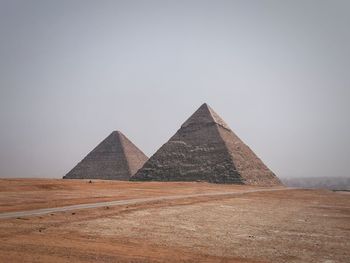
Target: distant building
[
  {"x": 115, "y": 158},
  {"x": 206, "y": 149}
]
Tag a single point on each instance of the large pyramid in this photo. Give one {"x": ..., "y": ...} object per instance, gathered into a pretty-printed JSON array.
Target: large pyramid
[
  {"x": 206, "y": 149},
  {"x": 115, "y": 158}
]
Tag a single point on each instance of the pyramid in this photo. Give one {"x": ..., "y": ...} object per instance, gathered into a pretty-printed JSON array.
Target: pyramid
[
  {"x": 206, "y": 149},
  {"x": 115, "y": 158}
]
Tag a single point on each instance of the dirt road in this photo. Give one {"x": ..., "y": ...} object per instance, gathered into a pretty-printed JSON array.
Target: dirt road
[{"x": 44, "y": 211}]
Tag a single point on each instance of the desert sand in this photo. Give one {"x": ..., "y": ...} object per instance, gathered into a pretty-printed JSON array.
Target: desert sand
[{"x": 288, "y": 225}]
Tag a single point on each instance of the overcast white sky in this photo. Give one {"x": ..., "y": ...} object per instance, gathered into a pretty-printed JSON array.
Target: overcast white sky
[{"x": 71, "y": 72}]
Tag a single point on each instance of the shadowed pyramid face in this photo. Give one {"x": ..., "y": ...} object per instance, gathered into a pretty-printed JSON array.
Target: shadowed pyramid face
[
  {"x": 206, "y": 149},
  {"x": 115, "y": 158}
]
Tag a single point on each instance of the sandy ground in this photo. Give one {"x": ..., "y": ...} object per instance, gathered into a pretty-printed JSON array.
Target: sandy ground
[
  {"x": 27, "y": 194},
  {"x": 283, "y": 226}
]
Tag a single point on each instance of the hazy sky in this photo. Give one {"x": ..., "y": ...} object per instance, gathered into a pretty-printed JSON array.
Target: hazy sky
[{"x": 71, "y": 72}]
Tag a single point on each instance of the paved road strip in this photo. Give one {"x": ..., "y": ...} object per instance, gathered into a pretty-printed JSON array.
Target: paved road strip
[{"x": 44, "y": 211}]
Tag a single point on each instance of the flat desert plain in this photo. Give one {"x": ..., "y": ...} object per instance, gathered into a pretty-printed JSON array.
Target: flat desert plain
[{"x": 170, "y": 222}]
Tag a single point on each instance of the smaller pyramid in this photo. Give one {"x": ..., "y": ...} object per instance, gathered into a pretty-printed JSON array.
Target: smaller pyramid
[{"x": 115, "y": 158}]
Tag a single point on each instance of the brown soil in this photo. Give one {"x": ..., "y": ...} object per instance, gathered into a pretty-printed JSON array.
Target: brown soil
[
  {"x": 283, "y": 226},
  {"x": 27, "y": 194}
]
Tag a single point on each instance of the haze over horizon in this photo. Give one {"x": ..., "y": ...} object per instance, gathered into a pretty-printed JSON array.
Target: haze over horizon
[{"x": 71, "y": 72}]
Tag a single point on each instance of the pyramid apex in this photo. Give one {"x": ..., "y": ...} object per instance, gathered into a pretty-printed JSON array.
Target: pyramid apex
[
  {"x": 204, "y": 115},
  {"x": 118, "y": 133},
  {"x": 205, "y": 106}
]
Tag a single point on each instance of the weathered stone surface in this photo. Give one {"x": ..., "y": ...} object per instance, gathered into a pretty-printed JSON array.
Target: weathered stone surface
[
  {"x": 115, "y": 158},
  {"x": 206, "y": 149}
]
